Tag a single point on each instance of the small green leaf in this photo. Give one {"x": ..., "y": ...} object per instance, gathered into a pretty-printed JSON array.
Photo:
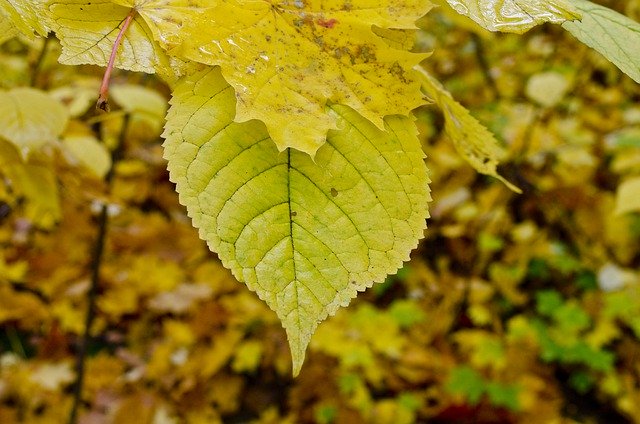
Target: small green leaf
[
  {"x": 547, "y": 301},
  {"x": 581, "y": 381},
  {"x": 611, "y": 34},
  {"x": 466, "y": 381},
  {"x": 571, "y": 318},
  {"x": 406, "y": 313},
  {"x": 505, "y": 395},
  {"x": 305, "y": 234},
  {"x": 325, "y": 414}
]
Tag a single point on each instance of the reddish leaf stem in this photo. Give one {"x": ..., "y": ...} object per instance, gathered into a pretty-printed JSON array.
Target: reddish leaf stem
[{"x": 103, "y": 99}]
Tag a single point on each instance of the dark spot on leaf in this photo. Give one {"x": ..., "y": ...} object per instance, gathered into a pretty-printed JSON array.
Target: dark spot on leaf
[{"x": 334, "y": 192}]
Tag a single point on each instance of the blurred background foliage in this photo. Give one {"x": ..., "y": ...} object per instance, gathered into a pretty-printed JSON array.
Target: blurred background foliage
[{"x": 515, "y": 308}]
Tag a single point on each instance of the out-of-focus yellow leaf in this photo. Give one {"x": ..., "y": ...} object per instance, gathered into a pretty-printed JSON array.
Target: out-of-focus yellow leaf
[
  {"x": 287, "y": 60},
  {"x": 38, "y": 185},
  {"x": 19, "y": 306},
  {"x": 547, "y": 88},
  {"x": 247, "y": 356},
  {"x": 472, "y": 139},
  {"x": 628, "y": 196},
  {"x": 515, "y": 15},
  {"x": 79, "y": 96},
  {"x": 30, "y": 118},
  {"x": 52, "y": 376},
  {"x": 90, "y": 153},
  {"x": 611, "y": 34},
  {"x": 180, "y": 299},
  {"x": 135, "y": 98},
  {"x": 144, "y": 104}
]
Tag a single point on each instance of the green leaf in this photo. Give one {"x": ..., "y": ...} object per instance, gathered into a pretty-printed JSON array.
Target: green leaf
[
  {"x": 571, "y": 318},
  {"x": 30, "y": 118},
  {"x": 514, "y": 15},
  {"x": 611, "y": 34},
  {"x": 547, "y": 301},
  {"x": 471, "y": 139},
  {"x": 466, "y": 381},
  {"x": 505, "y": 395},
  {"x": 305, "y": 234},
  {"x": 406, "y": 313}
]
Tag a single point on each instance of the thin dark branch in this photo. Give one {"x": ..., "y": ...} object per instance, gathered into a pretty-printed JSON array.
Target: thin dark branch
[
  {"x": 92, "y": 295},
  {"x": 37, "y": 67},
  {"x": 484, "y": 65}
]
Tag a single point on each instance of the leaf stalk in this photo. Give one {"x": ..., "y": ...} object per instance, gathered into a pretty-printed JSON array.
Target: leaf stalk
[{"x": 103, "y": 98}]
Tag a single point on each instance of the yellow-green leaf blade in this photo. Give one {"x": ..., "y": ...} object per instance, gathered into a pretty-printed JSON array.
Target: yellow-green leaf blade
[
  {"x": 611, "y": 34},
  {"x": 27, "y": 15},
  {"x": 472, "y": 140},
  {"x": 287, "y": 59},
  {"x": 8, "y": 29},
  {"x": 30, "y": 118},
  {"x": 87, "y": 30},
  {"x": 514, "y": 15},
  {"x": 305, "y": 234}
]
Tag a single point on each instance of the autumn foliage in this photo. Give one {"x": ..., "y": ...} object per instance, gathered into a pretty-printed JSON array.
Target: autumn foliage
[{"x": 515, "y": 307}]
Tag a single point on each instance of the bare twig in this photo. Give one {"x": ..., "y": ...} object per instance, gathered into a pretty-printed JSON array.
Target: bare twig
[
  {"x": 92, "y": 295},
  {"x": 37, "y": 67}
]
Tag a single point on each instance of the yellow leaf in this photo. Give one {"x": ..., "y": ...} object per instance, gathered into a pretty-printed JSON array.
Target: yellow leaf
[
  {"x": 611, "y": 34},
  {"x": 137, "y": 99},
  {"x": 289, "y": 60},
  {"x": 30, "y": 118},
  {"x": 547, "y": 88},
  {"x": 79, "y": 96},
  {"x": 144, "y": 104},
  {"x": 247, "y": 356},
  {"x": 8, "y": 29},
  {"x": 305, "y": 234},
  {"x": 628, "y": 196},
  {"x": 515, "y": 15},
  {"x": 27, "y": 15},
  {"x": 471, "y": 139},
  {"x": 92, "y": 154},
  {"x": 52, "y": 376},
  {"x": 38, "y": 185}
]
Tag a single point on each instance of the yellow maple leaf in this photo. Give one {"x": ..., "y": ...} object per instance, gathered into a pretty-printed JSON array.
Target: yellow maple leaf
[{"x": 287, "y": 60}]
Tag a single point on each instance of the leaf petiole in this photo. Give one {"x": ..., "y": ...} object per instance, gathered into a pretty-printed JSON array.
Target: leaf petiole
[{"x": 103, "y": 98}]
